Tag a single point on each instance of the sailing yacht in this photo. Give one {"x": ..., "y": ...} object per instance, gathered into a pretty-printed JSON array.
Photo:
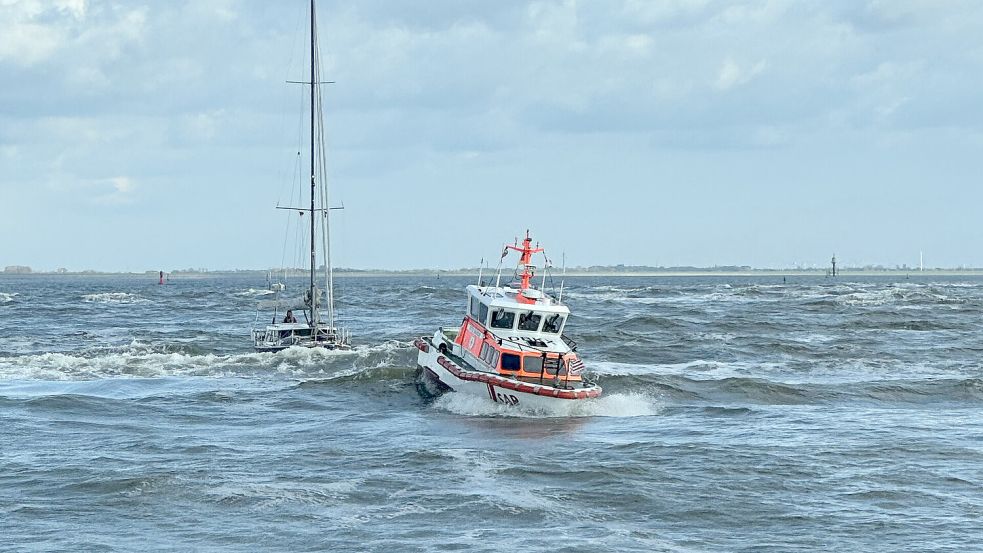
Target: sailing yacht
[{"x": 313, "y": 325}]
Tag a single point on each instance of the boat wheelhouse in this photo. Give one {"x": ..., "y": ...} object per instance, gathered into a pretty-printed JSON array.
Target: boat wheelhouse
[{"x": 510, "y": 345}]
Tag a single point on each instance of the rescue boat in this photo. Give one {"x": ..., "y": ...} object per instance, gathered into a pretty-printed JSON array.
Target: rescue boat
[{"x": 510, "y": 346}]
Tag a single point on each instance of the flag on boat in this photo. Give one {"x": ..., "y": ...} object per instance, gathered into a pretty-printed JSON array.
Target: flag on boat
[{"x": 575, "y": 366}]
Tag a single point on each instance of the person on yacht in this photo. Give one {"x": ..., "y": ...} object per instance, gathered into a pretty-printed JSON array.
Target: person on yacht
[{"x": 289, "y": 318}]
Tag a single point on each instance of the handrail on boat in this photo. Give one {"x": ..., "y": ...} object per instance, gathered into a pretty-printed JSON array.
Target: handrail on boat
[{"x": 570, "y": 343}]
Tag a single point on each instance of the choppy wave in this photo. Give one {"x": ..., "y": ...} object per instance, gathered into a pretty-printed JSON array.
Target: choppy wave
[
  {"x": 898, "y": 296},
  {"x": 7, "y": 297},
  {"x": 676, "y": 389},
  {"x": 698, "y": 369},
  {"x": 843, "y": 294},
  {"x": 271, "y": 495},
  {"x": 114, "y": 298},
  {"x": 718, "y": 392},
  {"x": 140, "y": 360}
]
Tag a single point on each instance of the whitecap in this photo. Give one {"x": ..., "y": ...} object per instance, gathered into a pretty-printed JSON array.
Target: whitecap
[
  {"x": 254, "y": 292},
  {"x": 114, "y": 298},
  {"x": 480, "y": 476},
  {"x": 698, "y": 369},
  {"x": 143, "y": 360}
]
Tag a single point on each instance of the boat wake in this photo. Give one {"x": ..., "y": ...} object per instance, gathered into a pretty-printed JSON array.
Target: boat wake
[{"x": 629, "y": 404}]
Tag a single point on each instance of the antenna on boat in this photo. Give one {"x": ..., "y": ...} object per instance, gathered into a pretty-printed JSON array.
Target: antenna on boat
[
  {"x": 480, "y": 268},
  {"x": 498, "y": 276},
  {"x": 559, "y": 297},
  {"x": 546, "y": 270}
]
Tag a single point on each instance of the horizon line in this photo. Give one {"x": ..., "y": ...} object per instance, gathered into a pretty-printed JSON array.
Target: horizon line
[{"x": 591, "y": 269}]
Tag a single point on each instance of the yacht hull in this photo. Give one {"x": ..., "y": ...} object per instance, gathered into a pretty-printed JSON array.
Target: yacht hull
[
  {"x": 274, "y": 349},
  {"x": 280, "y": 336}
]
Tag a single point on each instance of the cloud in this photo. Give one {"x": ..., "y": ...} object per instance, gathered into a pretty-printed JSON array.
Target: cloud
[
  {"x": 74, "y": 188},
  {"x": 123, "y": 185},
  {"x": 25, "y": 43},
  {"x": 34, "y": 31},
  {"x": 731, "y": 74},
  {"x": 120, "y": 191},
  {"x": 187, "y": 97}
]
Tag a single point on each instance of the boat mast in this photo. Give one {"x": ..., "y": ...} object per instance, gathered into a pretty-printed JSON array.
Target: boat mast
[
  {"x": 313, "y": 260},
  {"x": 526, "y": 260}
]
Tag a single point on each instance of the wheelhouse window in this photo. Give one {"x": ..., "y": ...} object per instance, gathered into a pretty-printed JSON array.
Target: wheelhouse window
[
  {"x": 553, "y": 324},
  {"x": 488, "y": 354},
  {"x": 533, "y": 364},
  {"x": 510, "y": 362},
  {"x": 482, "y": 313},
  {"x": 529, "y": 321},
  {"x": 502, "y": 319},
  {"x": 474, "y": 307}
]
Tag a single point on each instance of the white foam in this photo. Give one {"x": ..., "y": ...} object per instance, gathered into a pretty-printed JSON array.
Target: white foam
[
  {"x": 696, "y": 370},
  {"x": 7, "y": 297},
  {"x": 898, "y": 294},
  {"x": 704, "y": 296},
  {"x": 480, "y": 471},
  {"x": 609, "y": 405},
  {"x": 824, "y": 372},
  {"x": 470, "y": 405},
  {"x": 253, "y": 292},
  {"x": 114, "y": 297},
  {"x": 140, "y": 360},
  {"x": 272, "y": 494},
  {"x": 631, "y": 404}
]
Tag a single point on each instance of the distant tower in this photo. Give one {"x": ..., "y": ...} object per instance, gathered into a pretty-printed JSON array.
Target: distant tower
[
  {"x": 834, "y": 264},
  {"x": 921, "y": 261}
]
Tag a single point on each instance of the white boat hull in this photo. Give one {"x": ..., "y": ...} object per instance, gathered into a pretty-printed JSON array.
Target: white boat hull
[
  {"x": 280, "y": 336},
  {"x": 447, "y": 375}
]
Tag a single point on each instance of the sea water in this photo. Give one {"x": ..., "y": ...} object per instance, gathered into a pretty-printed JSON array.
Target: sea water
[{"x": 739, "y": 414}]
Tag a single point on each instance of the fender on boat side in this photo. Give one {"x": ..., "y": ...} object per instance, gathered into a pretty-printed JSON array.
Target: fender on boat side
[{"x": 518, "y": 386}]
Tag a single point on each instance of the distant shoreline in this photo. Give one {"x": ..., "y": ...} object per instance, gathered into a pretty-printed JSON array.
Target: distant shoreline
[{"x": 261, "y": 274}]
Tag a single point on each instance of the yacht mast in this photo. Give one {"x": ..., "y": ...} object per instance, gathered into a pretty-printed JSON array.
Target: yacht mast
[{"x": 313, "y": 92}]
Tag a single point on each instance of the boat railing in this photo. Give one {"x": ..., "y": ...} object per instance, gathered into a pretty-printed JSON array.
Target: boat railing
[{"x": 570, "y": 343}]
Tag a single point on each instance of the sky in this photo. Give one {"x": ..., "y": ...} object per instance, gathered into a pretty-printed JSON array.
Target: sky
[{"x": 160, "y": 135}]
